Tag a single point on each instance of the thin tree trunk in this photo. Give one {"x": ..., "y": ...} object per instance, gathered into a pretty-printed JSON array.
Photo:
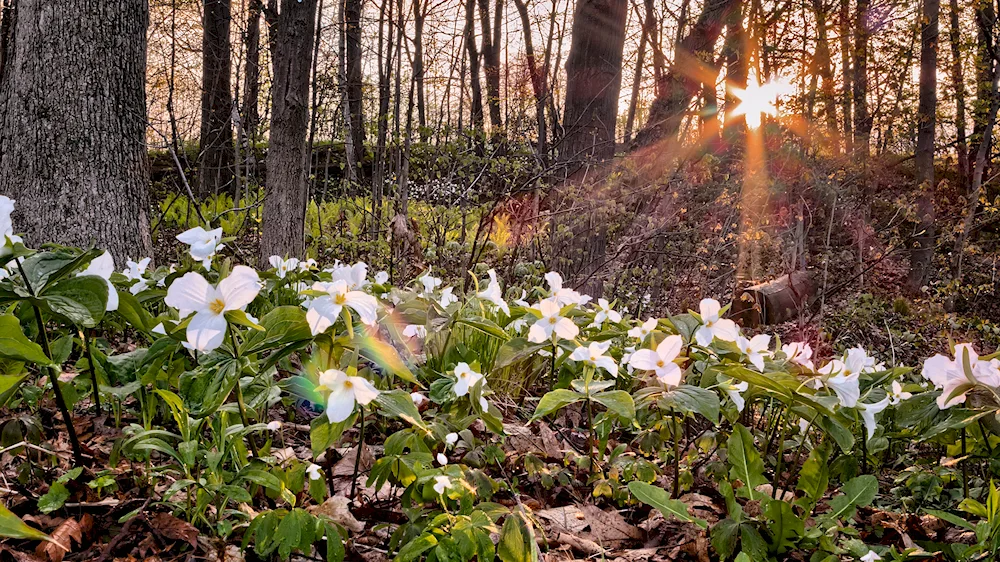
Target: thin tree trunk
[
  {"x": 633, "y": 103},
  {"x": 922, "y": 256},
  {"x": 73, "y": 123},
  {"x": 958, "y": 87},
  {"x": 474, "y": 80},
  {"x": 862, "y": 119},
  {"x": 824, "y": 68},
  {"x": 216, "y": 158},
  {"x": 846, "y": 74},
  {"x": 537, "y": 82},
  {"x": 491, "y": 59},
  {"x": 355, "y": 94},
  {"x": 384, "y": 91},
  {"x": 986, "y": 19},
  {"x": 283, "y": 228},
  {"x": 251, "y": 83},
  {"x": 419, "y": 17}
]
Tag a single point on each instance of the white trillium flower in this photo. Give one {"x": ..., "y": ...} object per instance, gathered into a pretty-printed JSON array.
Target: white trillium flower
[
  {"x": 6, "y": 210},
  {"x": 306, "y": 265},
  {"x": 324, "y": 311},
  {"x": 415, "y": 331},
  {"x": 447, "y": 297},
  {"x": 605, "y": 313},
  {"x": 451, "y": 439},
  {"x": 799, "y": 352},
  {"x": 897, "y": 394},
  {"x": 803, "y": 425},
  {"x": 382, "y": 277},
  {"x": 517, "y": 325},
  {"x": 735, "y": 392},
  {"x": 520, "y": 300},
  {"x": 429, "y": 282},
  {"x": 713, "y": 326},
  {"x": 103, "y": 266},
  {"x": 564, "y": 295},
  {"x": 641, "y": 331},
  {"x": 755, "y": 349},
  {"x": 483, "y": 404},
  {"x": 136, "y": 271},
  {"x": 870, "y": 557},
  {"x": 274, "y": 425},
  {"x": 868, "y": 412},
  {"x": 203, "y": 244},
  {"x": 355, "y": 275},
  {"x": 442, "y": 459},
  {"x": 441, "y": 483},
  {"x": 661, "y": 361},
  {"x": 594, "y": 355},
  {"x": 627, "y": 358},
  {"x": 493, "y": 293},
  {"x": 314, "y": 471},
  {"x": 344, "y": 392},
  {"x": 192, "y": 293},
  {"x": 466, "y": 379},
  {"x": 551, "y": 322},
  {"x": 282, "y": 266},
  {"x": 952, "y": 376},
  {"x": 845, "y": 380},
  {"x": 418, "y": 398}
]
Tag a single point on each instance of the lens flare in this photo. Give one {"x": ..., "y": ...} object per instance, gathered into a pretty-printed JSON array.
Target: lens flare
[{"x": 759, "y": 99}]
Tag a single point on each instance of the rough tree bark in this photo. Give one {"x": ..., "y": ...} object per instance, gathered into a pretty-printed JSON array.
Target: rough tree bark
[
  {"x": 824, "y": 68},
  {"x": 845, "y": 72},
  {"x": 686, "y": 76},
  {"x": 73, "y": 123},
  {"x": 251, "y": 79},
  {"x": 537, "y": 81},
  {"x": 986, "y": 20},
  {"x": 958, "y": 87},
  {"x": 922, "y": 254},
  {"x": 474, "y": 81},
  {"x": 594, "y": 79},
  {"x": 292, "y": 27},
  {"x": 352, "y": 17},
  {"x": 216, "y": 157},
  {"x": 491, "y": 58}
]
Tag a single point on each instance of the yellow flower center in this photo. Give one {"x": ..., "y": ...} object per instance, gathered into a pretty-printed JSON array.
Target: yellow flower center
[
  {"x": 217, "y": 306},
  {"x": 659, "y": 363},
  {"x": 463, "y": 375},
  {"x": 348, "y": 384},
  {"x": 592, "y": 359},
  {"x": 552, "y": 320},
  {"x": 340, "y": 299}
]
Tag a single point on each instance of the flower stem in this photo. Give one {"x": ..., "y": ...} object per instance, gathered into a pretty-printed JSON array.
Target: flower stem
[
  {"x": 675, "y": 431},
  {"x": 93, "y": 370},
  {"x": 239, "y": 398},
  {"x": 53, "y": 376},
  {"x": 357, "y": 459}
]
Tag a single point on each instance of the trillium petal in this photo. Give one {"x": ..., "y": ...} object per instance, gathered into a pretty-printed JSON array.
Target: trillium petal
[
  {"x": 112, "y": 298},
  {"x": 566, "y": 329},
  {"x": 704, "y": 336},
  {"x": 102, "y": 266},
  {"x": 340, "y": 404},
  {"x": 240, "y": 288},
  {"x": 709, "y": 309},
  {"x": 540, "y": 331},
  {"x": 206, "y": 331},
  {"x": 190, "y": 293},
  {"x": 670, "y": 374},
  {"x": 322, "y": 313},
  {"x": 364, "y": 391},
  {"x": 580, "y": 354},
  {"x": 644, "y": 359},
  {"x": 192, "y": 235},
  {"x": 364, "y": 304},
  {"x": 726, "y": 330},
  {"x": 669, "y": 348},
  {"x": 608, "y": 364}
]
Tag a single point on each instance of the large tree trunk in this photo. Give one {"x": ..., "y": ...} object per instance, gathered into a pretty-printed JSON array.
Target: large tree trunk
[
  {"x": 986, "y": 20},
  {"x": 845, "y": 73},
  {"x": 283, "y": 228},
  {"x": 686, "y": 76},
  {"x": 862, "y": 120},
  {"x": 73, "y": 123},
  {"x": 922, "y": 256},
  {"x": 352, "y": 17},
  {"x": 419, "y": 17},
  {"x": 594, "y": 79},
  {"x": 215, "y": 164},
  {"x": 491, "y": 59},
  {"x": 824, "y": 68}
]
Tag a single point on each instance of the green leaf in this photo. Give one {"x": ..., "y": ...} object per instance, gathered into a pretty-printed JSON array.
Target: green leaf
[
  {"x": 858, "y": 492},
  {"x": 785, "y": 527},
  {"x": 813, "y": 478},
  {"x": 397, "y": 403},
  {"x": 513, "y": 545},
  {"x": 745, "y": 463},
  {"x": 485, "y": 326},
  {"x": 240, "y": 318},
  {"x": 12, "y": 527},
  {"x": 385, "y": 356},
  {"x": 206, "y": 388},
  {"x": 688, "y": 398},
  {"x": 53, "y": 499},
  {"x": 9, "y": 385},
  {"x": 516, "y": 350},
  {"x": 134, "y": 313},
  {"x": 555, "y": 400},
  {"x": 951, "y": 518},
  {"x": 617, "y": 401},
  {"x": 413, "y": 549},
  {"x": 657, "y": 497},
  {"x": 15, "y": 346},
  {"x": 282, "y": 326},
  {"x": 45, "y": 268},
  {"x": 82, "y": 300}
]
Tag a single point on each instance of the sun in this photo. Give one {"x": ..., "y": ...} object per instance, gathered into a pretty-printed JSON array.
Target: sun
[{"x": 759, "y": 99}]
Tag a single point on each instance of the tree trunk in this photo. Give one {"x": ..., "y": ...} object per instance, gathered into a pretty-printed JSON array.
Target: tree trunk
[
  {"x": 824, "y": 68},
  {"x": 384, "y": 90},
  {"x": 283, "y": 228},
  {"x": 73, "y": 123},
  {"x": 537, "y": 81},
  {"x": 640, "y": 61},
  {"x": 958, "y": 86},
  {"x": 474, "y": 80},
  {"x": 216, "y": 157},
  {"x": 862, "y": 120},
  {"x": 491, "y": 59},
  {"x": 251, "y": 84},
  {"x": 352, "y": 16},
  {"x": 594, "y": 79},
  {"x": 846, "y": 74},
  {"x": 419, "y": 17},
  {"x": 922, "y": 256},
  {"x": 986, "y": 19},
  {"x": 680, "y": 84}
]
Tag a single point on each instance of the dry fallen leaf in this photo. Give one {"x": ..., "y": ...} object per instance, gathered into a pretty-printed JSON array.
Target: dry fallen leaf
[
  {"x": 337, "y": 509},
  {"x": 170, "y": 527},
  {"x": 69, "y": 532}
]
